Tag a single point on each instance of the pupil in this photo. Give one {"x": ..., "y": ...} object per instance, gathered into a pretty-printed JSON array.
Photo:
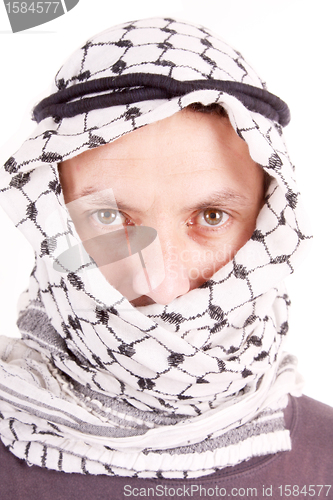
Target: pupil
[
  {"x": 106, "y": 216},
  {"x": 213, "y": 217}
]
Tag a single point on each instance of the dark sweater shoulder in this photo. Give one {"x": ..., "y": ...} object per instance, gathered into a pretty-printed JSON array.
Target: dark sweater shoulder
[
  {"x": 312, "y": 440},
  {"x": 310, "y": 461},
  {"x": 308, "y": 464}
]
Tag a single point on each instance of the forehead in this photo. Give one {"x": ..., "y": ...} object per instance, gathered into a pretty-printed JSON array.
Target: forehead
[{"x": 189, "y": 148}]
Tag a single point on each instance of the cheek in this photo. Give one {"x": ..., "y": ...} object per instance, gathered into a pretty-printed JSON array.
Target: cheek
[
  {"x": 82, "y": 229},
  {"x": 242, "y": 234},
  {"x": 202, "y": 264},
  {"x": 206, "y": 261},
  {"x": 132, "y": 267},
  {"x": 120, "y": 275}
]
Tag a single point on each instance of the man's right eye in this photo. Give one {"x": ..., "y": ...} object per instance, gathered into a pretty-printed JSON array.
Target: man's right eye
[{"x": 108, "y": 216}]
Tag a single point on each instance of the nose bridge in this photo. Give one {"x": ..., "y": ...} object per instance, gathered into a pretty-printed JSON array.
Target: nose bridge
[{"x": 171, "y": 241}]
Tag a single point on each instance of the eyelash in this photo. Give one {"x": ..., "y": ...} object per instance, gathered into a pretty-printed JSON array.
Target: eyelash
[{"x": 203, "y": 214}]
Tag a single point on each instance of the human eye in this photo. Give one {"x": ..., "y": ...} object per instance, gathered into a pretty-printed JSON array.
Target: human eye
[
  {"x": 212, "y": 218},
  {"x": 108, "y": 217}
]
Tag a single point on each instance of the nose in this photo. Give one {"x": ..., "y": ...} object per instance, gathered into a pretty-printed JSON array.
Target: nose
[{"x": 164, "y": 271}]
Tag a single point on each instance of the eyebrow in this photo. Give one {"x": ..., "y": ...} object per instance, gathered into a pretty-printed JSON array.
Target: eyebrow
[
  {"x": 223, "y": 198},
  {"x": 94, "y": 196}
]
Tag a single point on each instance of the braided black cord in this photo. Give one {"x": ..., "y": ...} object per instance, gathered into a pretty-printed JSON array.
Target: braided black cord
[{"x": 137, "y": 87}]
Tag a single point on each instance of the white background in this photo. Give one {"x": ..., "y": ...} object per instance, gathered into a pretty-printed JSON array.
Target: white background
[{"x": 289, "y": 43}]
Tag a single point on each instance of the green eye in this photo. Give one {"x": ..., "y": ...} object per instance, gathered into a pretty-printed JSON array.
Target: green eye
[{"x": 213, "y": 217}]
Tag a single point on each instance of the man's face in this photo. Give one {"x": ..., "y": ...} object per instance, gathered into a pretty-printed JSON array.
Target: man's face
[{"x": 191, "y": 178}]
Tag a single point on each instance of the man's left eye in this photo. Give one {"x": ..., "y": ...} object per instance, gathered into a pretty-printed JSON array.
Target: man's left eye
[
  {"x": 212, "y": 217},
  {"x": 108, "y": 216}
]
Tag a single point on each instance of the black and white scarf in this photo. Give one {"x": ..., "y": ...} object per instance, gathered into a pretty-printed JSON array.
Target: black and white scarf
[{"x": 96, "y": 385}]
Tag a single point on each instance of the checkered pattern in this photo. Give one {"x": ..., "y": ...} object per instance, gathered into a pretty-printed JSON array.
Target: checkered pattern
[{"x": 157, "y": 381}]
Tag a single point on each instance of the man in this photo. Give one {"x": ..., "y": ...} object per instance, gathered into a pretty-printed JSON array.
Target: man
[
  {"x": 153, "y": 331},
  {"x": 198, "y": 154}
]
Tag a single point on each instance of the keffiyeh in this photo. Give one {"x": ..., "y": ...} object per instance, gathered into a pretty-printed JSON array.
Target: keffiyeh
[{"x": 96, "y": 385}]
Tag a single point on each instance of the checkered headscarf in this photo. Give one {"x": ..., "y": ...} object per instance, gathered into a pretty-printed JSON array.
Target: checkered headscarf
[{"x": 96, "y": 385}]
